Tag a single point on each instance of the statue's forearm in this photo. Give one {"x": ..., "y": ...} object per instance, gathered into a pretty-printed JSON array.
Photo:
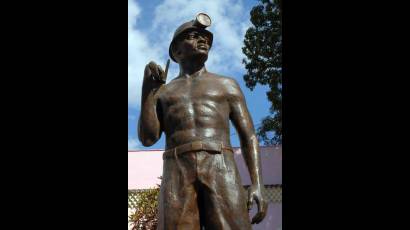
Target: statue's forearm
[
  {"x": 148, "y": 124},
  {"x": 251, "y": 155},
  {"x": 242, "y": 121}
]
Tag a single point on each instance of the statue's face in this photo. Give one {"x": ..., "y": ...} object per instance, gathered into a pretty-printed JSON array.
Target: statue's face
[{"x": 193, "y": 44}]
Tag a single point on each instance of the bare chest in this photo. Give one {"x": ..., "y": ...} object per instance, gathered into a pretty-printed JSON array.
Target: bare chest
[{"x": 189, "y": 91}]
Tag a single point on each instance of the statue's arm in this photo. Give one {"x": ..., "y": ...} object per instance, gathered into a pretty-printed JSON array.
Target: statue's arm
[
  {"x": 149, "y": 123},
  {"x": 242, "y": 121}
]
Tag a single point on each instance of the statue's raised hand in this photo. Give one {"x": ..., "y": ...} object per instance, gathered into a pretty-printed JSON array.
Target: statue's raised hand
[{"x": 154, "y": 75}]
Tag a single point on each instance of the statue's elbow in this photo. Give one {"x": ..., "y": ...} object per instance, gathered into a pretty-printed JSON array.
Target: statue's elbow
[
  {"x": 147, "y": 138},
  {"x": 147, "y": 142}
]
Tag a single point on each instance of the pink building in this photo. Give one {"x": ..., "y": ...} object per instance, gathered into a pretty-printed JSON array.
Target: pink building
[{"x": 145, "y": 166}]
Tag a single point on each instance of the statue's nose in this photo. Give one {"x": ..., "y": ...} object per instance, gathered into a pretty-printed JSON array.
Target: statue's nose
[
  {"x": 203, "y": 43},
  {"x": 202, "y": 39}
]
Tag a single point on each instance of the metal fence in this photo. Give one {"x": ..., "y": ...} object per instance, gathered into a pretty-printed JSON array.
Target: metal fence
[{"x": 273, "y": 194}]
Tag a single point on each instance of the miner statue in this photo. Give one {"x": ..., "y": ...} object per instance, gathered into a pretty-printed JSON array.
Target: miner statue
[{"x": 201, "y": 187}]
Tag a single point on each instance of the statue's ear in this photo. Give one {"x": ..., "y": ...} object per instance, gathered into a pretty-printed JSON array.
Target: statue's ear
[{"x": 176, "y": 51}]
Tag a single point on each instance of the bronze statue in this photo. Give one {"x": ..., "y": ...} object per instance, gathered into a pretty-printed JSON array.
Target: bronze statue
[{"x": 201, "y": 187}]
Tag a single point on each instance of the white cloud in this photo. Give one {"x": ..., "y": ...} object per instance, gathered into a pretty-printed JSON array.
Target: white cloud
[
  {"x": 133, "y": 144},
  {"x": 140, "y": 53},
  {"x": 229, "y": 22}
]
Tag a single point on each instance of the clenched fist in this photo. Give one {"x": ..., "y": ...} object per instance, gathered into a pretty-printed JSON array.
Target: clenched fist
[{"x": 154, "y": 74}]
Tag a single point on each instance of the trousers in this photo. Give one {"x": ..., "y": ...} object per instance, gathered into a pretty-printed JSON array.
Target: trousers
[{"x": 202, "y": 190}]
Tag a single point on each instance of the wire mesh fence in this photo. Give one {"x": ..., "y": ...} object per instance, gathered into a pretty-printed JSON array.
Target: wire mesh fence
[{"x": 273, "y": 194}]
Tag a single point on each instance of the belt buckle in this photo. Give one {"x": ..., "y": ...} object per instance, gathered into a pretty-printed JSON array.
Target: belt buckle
[
  {"x": 221, "y": 147},
  {"x": 196, "y": 145}
]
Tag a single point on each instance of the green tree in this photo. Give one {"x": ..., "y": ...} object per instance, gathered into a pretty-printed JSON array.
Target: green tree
[
  {"x": 145, "y": 216},
  {"x": 263, "y": 49}
]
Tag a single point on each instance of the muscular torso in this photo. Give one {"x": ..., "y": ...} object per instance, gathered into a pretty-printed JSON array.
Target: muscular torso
[{"x": 195, "y": 108}]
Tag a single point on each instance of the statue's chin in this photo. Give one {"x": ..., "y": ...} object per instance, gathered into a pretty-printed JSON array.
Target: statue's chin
[{"x": 201, "y": 57}]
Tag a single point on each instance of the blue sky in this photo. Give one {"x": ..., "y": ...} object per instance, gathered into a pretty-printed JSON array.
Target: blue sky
[{"x": 151, "y": 25}]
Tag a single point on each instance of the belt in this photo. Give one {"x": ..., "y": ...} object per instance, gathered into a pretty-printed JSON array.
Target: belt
[{"x": 195, "y": 146}]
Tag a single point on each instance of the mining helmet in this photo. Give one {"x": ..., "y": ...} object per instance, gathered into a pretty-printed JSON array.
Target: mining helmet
[{"x": 201, "y": 21}]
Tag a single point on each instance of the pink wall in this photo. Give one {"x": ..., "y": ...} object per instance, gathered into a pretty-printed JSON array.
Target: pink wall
[
  {"x": 272, "y": 220},
  {"x": 271, "y": 159},
  {"x": 145, "y": 166}
]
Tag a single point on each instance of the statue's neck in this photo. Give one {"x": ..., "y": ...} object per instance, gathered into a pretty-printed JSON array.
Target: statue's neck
[{"x": 191, "y": 70}]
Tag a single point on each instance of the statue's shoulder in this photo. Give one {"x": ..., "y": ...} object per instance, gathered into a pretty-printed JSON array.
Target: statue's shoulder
[
  {"x": 168, "y": 87},
  {"x": 229, "y": 85},
  {"x": 173, "y": 83}
]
